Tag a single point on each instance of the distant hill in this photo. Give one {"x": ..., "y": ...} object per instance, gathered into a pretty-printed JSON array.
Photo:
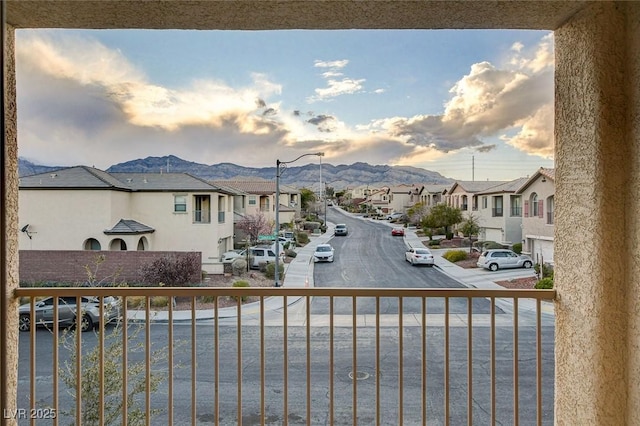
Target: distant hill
[{"x": 308, "y": 175}]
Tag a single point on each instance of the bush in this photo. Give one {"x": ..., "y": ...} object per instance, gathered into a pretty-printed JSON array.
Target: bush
[
  {"x": 208, "y": 299},
  {"x": 517, "y": 247},
  {"x": 270, "y": 270},
  {"x": 449, "y": 235},
  {"x": 172, "y": 270},
  {"x": 544, "y": 284},
  {"x": 434, "y": 242},
  {"x": 159, "y": 301},
  {"x": 238, "y": 266},
  {"x": 310, "y": 226},
  {"x": 547, "y": 270},
  {"x": 135, "y": 302},
  {"x": 240, "y": 284},
  {"x": 454, "y": 256},
  {"x": 302, "y": 237},
  {"x": 291, "y": 253}
]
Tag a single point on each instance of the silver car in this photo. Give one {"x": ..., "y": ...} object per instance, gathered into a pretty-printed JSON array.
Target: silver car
[
  {"x": 503, "y": 259},
  {"x": 419, "y": 256},
  {"x": 90, "y": 308}
]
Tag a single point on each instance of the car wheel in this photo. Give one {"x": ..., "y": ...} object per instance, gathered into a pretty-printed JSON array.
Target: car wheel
[
  {"x": 87, "y": 323},
  {"x": 24, "y": 324},
  {"x": 493, "y": 267},
  {"x": 528, "y": 264},
  {"x": 412, "y": 263}
]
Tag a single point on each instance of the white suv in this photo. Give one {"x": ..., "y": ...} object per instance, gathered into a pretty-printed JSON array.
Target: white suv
[
  {"x": 503, "y": 259},
  {"x": 263, "y": 255}
]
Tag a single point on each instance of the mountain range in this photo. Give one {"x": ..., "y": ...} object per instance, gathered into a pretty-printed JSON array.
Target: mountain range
[{"x": 307, "y": 176}]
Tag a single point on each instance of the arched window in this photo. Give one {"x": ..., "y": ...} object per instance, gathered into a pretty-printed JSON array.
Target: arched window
[
  {"x": 117, "y": 244},
  {"x": 92, "y": 244},
  {"x": 550, "y": 208},
  {"x": 533, "y": 205},
  {"x": 143, "y": 244}
]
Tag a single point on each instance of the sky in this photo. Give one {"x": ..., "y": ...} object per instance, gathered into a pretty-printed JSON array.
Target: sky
[{"x": 469, "y": 104}]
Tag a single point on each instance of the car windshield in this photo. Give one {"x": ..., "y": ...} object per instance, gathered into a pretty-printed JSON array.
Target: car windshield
[
  {"x": 323, "y": 248},
  {"x": 422, "y": 251}
]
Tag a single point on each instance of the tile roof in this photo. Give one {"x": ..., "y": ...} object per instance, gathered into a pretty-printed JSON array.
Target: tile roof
[
  {"x": 129, "y": 226},
  {"x": 255, "y": 186},
  {"x": 83, "y": 177},
  {"x": 511, "y": 186}
]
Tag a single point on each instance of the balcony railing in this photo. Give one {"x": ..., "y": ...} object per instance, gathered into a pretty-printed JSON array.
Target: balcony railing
[
  {"x": 202, "y": 216},
  {"x": 314, "y": 355}
]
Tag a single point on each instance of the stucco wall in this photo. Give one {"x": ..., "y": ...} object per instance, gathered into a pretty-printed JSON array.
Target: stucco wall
[{"x": 592, "y": 172}]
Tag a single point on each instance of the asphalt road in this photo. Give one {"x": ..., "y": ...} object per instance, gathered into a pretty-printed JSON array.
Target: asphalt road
[{"x": 369, "y": 257}]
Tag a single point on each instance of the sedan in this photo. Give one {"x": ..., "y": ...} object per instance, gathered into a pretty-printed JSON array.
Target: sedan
[
  {"x": 503, "y": 259},
  {"x": 66, "y": 306},
  {"x": 323, "y": 253},
  {"x": 397, "y": 232},
  {"x": 419, "y": 256}
]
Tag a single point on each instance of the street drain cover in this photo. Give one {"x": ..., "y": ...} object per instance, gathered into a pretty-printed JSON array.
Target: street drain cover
[{"x": 359, "y": 375}]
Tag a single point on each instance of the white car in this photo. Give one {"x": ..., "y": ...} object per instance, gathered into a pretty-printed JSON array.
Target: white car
[
  {"x": 395, "y": 216},
  {"x": 323, "y": 253},
  {"x": 419, "y": 256},
  {"x": 503, "y": 259},
  {"x": 230, "y": 256}
]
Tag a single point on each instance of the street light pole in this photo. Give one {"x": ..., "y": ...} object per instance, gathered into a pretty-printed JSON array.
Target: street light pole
[{"x": 277, "y": 233}]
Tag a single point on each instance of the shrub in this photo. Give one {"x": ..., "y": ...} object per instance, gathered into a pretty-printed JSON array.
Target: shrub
[
  {"x": 547, "y": 270},
  {"x": 291, "y": 253},
  {"x": 454, "y": 256},
  {"x": 171, "y": 270},
  {"x": 434, "y": 242},
  {"x": 517, "y": 247},
  {"x": 135, "y": 301},
  {"x": 449, "y": 235},
  {"x": 302, "y": 237},
  {"x": 208, "y": 299},
  {"x": 240, "y": 284},
  {"x": 544, "y": 284},
  {"x": 270, "y": 270},
  {"x": 310, "y": 226},
  {"x": 159, "y": 301},
  {"x": 238, "y": 266}
]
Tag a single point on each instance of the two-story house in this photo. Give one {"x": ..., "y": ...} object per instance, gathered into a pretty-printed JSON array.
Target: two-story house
[
  {"x": 499, "y": 212},
  {"x": 84, "y": 208},
  {"x": 402, "y": 197},
  {"x": 538, "y": 215},
  {"x": 463, "y": 194},
  {"x": 432, "y": 194}
]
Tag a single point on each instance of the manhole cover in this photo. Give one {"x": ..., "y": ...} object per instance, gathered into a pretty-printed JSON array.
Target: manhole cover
[{"x": 359, "y": 375}]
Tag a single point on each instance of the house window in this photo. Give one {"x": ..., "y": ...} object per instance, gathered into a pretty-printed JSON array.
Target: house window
[
  {"x": 180, "y": 203},
  {"x": 92, "y": 244},
  {"x": 465, "y": 205},
  {"x": 252, "y": 200},
  {"x": 484, "y": 202},
  {"x": 533, "y": 205},
  {"x": 516, "y": 208},
  {"x": 201, "y": 209},
  {"x": 550, "y": 208},
  {"x": 497, "y": 206},
  {"x": 221, "y": 209}
]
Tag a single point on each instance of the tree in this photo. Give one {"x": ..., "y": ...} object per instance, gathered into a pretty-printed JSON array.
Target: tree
[
  {"x": 469, "y": 228},
  {"x": 253, "y": 225},
  {"x": 307, "y": 196},
  {"x": 443, "y": 216},
  {"x": 417, "y": 212},
  {"x": 171, "y": 270}
]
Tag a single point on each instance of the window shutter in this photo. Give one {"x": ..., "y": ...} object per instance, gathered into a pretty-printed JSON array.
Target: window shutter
[
  {"x": 540, "y": 209},
  {"x": 526, "y": 208}
]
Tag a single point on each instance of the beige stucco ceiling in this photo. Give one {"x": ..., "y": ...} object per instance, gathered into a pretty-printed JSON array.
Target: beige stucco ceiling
[{"x": 278, "y": 14}]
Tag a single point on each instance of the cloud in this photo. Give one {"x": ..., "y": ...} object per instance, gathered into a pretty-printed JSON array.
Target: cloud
[
  {"x": 335, "y": 86},
  {"x": 203, "y": 102},
  {"x": 488, "y": 102}
]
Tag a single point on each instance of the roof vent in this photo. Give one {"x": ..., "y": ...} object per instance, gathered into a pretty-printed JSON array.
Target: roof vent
[
  {"x": 53, "y": 175},
  {"x": 145, "y": 180},
  {"x": 129, "y": 180}
]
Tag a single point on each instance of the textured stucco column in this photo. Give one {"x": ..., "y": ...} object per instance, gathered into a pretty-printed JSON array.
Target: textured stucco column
[
  {"x": 10, "y": 232},
  {"x": 596, "y": 241}
]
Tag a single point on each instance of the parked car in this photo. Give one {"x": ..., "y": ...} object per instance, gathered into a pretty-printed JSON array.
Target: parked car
[
  {"x": 341, "y": 229},
  {"x": 397, "y": 232},
  {"x": 419, "y": 256},
  {"x": 89, "y": 307},
  {"x": 395, "y": 216},
  {"x": 323, "y": 253},
  {"x": 230, "y": 256},
  {"x": 502, "y": 259},
  {"x": 263, "y": 254}
]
